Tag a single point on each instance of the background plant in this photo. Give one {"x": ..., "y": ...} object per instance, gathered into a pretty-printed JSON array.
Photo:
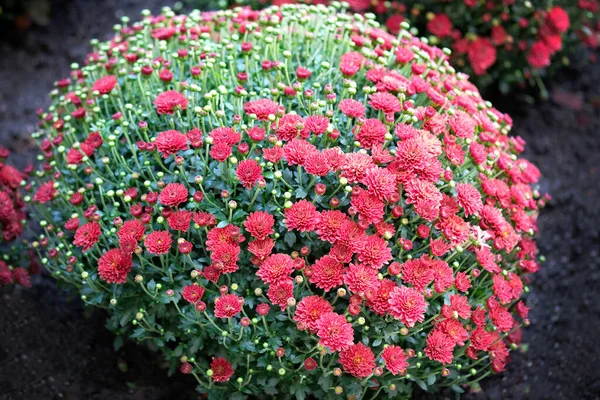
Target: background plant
[
  {"x": 288, "y": 202},
  {"x": 504, "y": 44},
  {"x": 12, "y": 220}
]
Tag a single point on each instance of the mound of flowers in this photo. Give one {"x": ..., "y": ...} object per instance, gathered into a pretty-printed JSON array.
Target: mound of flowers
[
  {"x": 12, "y": 217},
  {"x": 290, "y": 202},
  {"x": 507, "y": 44}
]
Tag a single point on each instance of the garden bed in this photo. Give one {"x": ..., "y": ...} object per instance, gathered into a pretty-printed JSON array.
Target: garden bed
[{"x": 52, "y": 350}]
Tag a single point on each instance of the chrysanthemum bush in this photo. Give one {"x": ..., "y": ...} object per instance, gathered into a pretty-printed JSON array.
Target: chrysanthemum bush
[
  {"x": 290, "y": 202},
  {"x": 15, "y": 256},
  {"x": 507, "y": 44}
]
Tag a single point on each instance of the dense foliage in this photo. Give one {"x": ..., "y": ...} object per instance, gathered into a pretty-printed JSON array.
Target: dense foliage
[{"x": 289, "y": 201}]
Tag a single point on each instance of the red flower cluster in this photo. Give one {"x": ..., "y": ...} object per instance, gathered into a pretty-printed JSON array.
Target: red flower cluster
[{"x": 356, "y": 214}]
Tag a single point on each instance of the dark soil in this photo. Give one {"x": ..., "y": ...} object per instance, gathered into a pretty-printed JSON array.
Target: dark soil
[{"x": 51, "y": 348}]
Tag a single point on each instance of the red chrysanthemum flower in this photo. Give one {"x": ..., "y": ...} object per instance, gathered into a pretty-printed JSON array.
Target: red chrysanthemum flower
[
  {"x": 280, "y": 292},
  {"x": 334, "y": 331},
  {"x": 228, "y": 235},
  {"x": 170, "y": 142},
  {"x": 105, "y": 84},
  {"x": 316, "y": 124},
  {"x": 440, "y": 26},
  {"x": 45, "y": 192},
  {"x": 354, "y": 166},
  {"x": 87, "y": 235},
  {"x": 418, "y": 273},
  {"x": 6, "y": 276},
  {"x": 462, "y": 125},
  {"x": 195, "y": 137},
  {"x": 558, "y": 19},
  {"x": 378, "y": 301},
  {"x": 158, "y": 242},
  {"x": 454, "y": 330},
  {"x": 220, "y": 151},
  {"x": 225, "y": 256},
  {"x": 173, "y": 194},
  {"x": 469, "y": 198},
  {"x": 302, "y": 216},
  {"x": 316, "y": 164},
  {"x": 351, "y": 62},
  {"x": 352, "y": 108},
  {"x": 329, "y": 229},
  {"x": 74, "y": 156},
  {"x": 407, "y": 305},
  {"x": 259, "y": 224},
  {"x": 180, "y": 220},
  {"x": 256, "y": 133},
  {"x": 228, "y": 306},
  {"x": 443, "y": 276},
  {"x": 327, "y": 273},
  {"x": 273, "y": 154},
  {"x": 170, "y": 101},
  {"x": 459, "y": 305},
  {"x": 454, "y": 229},
  {"x": 72, "y": 223},
  {"x": 289, "y": 126},
  {"x": 262, "y": 108},
  {"x": 358, "y": 360},
  {"x": 375, "y": 252},
  {"x": 22, "y": 277},
  {"x": 370, "y": 208},
  {"x": 127, "y": 244},
  {"x": 386, "y": 102},
  {"x": 310, "y": 364},
  {"x": 359, "y": 278},
  {"x": 261, "y": 248},
  {"x": 276, "y": 268},
  {"x": 381, "y": 183},
  {"x": 309, "y": 310},
  {"x": 539, "y": 55},
  {"x": 225, "y": 135},
  {"x": 134, "y": 228},
  {"x": 395, "y": 359},
  {"x": 204, "y": 219},
  {"x": 371, "y": 133},
  {"x": 500, "y": 316},
  {"x": 482, "y": 55},
  {"x": 439, "y": 347},
  {"x": 221, "y": 369},
  {"x": 248, "y": 172},
  {"x": 425, "y": 196},
  {"x": 10, "y": 176},
  {"x": 297, "y": 150},
  {"x": 114, "y": 265},
  {"x": 192, "y": 293}
]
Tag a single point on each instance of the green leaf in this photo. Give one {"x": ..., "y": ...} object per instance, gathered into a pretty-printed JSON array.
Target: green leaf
[
  {"x": 118, "y": 343},
  {"x": 299, "y": 391},
  {"x": 457, "y": 388},
  {"x": 223, "y": 224},
  {"x": 431, "y": 379},
  {"x": 237, "y": 396},
  {"x": 300, "y": 193},
  {"x": 421, "y": 384},
  {"x": 151, "y": 286},
  {"x": 270, "y": 386},
  {"x": 325, "y": 382},
  {"x": 290, "y": 238}
]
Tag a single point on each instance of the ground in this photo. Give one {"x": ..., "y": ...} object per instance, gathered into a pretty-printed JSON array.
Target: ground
[{"x": 51, "y": 348}]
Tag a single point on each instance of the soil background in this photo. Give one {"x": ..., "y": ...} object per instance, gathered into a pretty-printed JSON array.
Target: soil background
[{"x": 51, "y": 348}]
